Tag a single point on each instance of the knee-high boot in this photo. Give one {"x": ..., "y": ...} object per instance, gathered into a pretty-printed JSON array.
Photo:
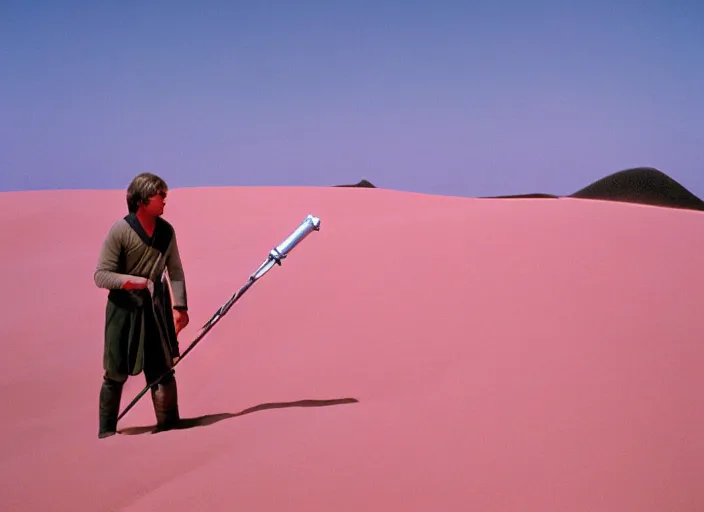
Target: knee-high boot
[
  {"x": 165, "y": 400},
  {"x": 110, "y": 395}
]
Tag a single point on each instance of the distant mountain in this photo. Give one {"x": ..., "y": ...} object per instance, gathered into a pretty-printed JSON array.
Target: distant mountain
[
  {"x": 362, "y": 184},
  {"x": 536, "y": 195},
  {"x": 643, "y": 185}
]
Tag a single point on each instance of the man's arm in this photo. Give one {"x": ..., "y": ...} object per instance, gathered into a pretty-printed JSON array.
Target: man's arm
[
  {"x": 106, "y": 273},
  {"x": 177, "y": 277}
]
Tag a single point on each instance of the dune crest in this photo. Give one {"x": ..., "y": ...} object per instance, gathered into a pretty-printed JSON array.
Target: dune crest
[
  {"x": 640, "y": 185},
  {"x": 418, "y": 353}
]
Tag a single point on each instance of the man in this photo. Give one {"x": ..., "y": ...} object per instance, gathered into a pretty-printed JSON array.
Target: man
[{"x": 141, "y": 323}]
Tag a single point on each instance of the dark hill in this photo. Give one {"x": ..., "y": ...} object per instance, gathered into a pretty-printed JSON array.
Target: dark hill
[
  {"x": 362, "y": 184},
  {"x": 524, "y": 196},
  {"x": 642, "y": 185}
]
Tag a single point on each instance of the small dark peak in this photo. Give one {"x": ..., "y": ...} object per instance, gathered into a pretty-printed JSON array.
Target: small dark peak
[
  {"x": 362, "y": 184},
  {"x": 641, "y": 185}
]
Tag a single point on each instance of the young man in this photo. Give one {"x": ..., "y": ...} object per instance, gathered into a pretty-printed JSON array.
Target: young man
[{"x": 141, "y": 323}]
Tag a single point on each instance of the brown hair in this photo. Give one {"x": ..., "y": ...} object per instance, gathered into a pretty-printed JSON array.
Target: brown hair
[{"x": 142, "y": 187}]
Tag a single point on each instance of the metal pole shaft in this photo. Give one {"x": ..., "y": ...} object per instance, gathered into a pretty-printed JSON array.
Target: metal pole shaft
[{"x": 275, "y": 256}]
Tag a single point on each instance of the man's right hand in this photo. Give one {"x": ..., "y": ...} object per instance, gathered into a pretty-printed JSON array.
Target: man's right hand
[{"x": 136, "y": 283}]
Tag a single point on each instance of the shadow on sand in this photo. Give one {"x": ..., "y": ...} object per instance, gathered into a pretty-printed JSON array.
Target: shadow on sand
[{"x": 210, "y": 419}]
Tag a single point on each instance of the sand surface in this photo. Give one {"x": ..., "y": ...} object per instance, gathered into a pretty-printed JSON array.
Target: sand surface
[{"x": 419, "y": 353}]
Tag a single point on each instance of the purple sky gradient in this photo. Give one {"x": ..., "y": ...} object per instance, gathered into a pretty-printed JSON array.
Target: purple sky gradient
[{"x": 463, "y": 98}]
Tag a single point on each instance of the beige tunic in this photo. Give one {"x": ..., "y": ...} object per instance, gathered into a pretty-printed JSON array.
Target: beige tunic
[{"x": 128, "y": 251}]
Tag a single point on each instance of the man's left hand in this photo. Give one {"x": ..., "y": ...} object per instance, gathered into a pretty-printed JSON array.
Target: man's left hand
[{"x": 180, "y": 320}]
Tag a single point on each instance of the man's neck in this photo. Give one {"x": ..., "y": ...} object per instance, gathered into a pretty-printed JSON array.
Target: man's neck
[{"x": 147, "y": 221}]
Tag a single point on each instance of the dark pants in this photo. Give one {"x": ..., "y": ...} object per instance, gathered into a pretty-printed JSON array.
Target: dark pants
[
  {"x": 139, "y": 335},
  {"x": 154, "y": 365}
]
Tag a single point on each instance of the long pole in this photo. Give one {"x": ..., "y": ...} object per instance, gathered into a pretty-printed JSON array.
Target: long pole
[{"x": 275, "y": 257}]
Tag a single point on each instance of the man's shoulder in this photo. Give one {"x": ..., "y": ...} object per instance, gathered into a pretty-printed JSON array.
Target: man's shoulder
[
  {"x": 119, "y": 227},
  {"x": 117, "y": 233}
]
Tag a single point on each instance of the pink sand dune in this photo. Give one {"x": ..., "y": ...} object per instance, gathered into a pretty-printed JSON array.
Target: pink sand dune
[{"x": 450, "y": 353}]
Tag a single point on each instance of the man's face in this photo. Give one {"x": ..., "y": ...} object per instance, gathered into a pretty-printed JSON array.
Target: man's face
[{"x": 157, "y": 202}]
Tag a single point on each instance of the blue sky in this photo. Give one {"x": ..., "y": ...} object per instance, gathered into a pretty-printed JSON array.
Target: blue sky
[{"x": 462, "y": 98}]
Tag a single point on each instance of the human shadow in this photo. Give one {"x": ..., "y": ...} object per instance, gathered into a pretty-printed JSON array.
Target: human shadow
[{"x": 210, "y": 419}]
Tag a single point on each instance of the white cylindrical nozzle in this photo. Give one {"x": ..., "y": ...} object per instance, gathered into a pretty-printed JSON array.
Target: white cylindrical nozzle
[{"x": 309, "y": 225}]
